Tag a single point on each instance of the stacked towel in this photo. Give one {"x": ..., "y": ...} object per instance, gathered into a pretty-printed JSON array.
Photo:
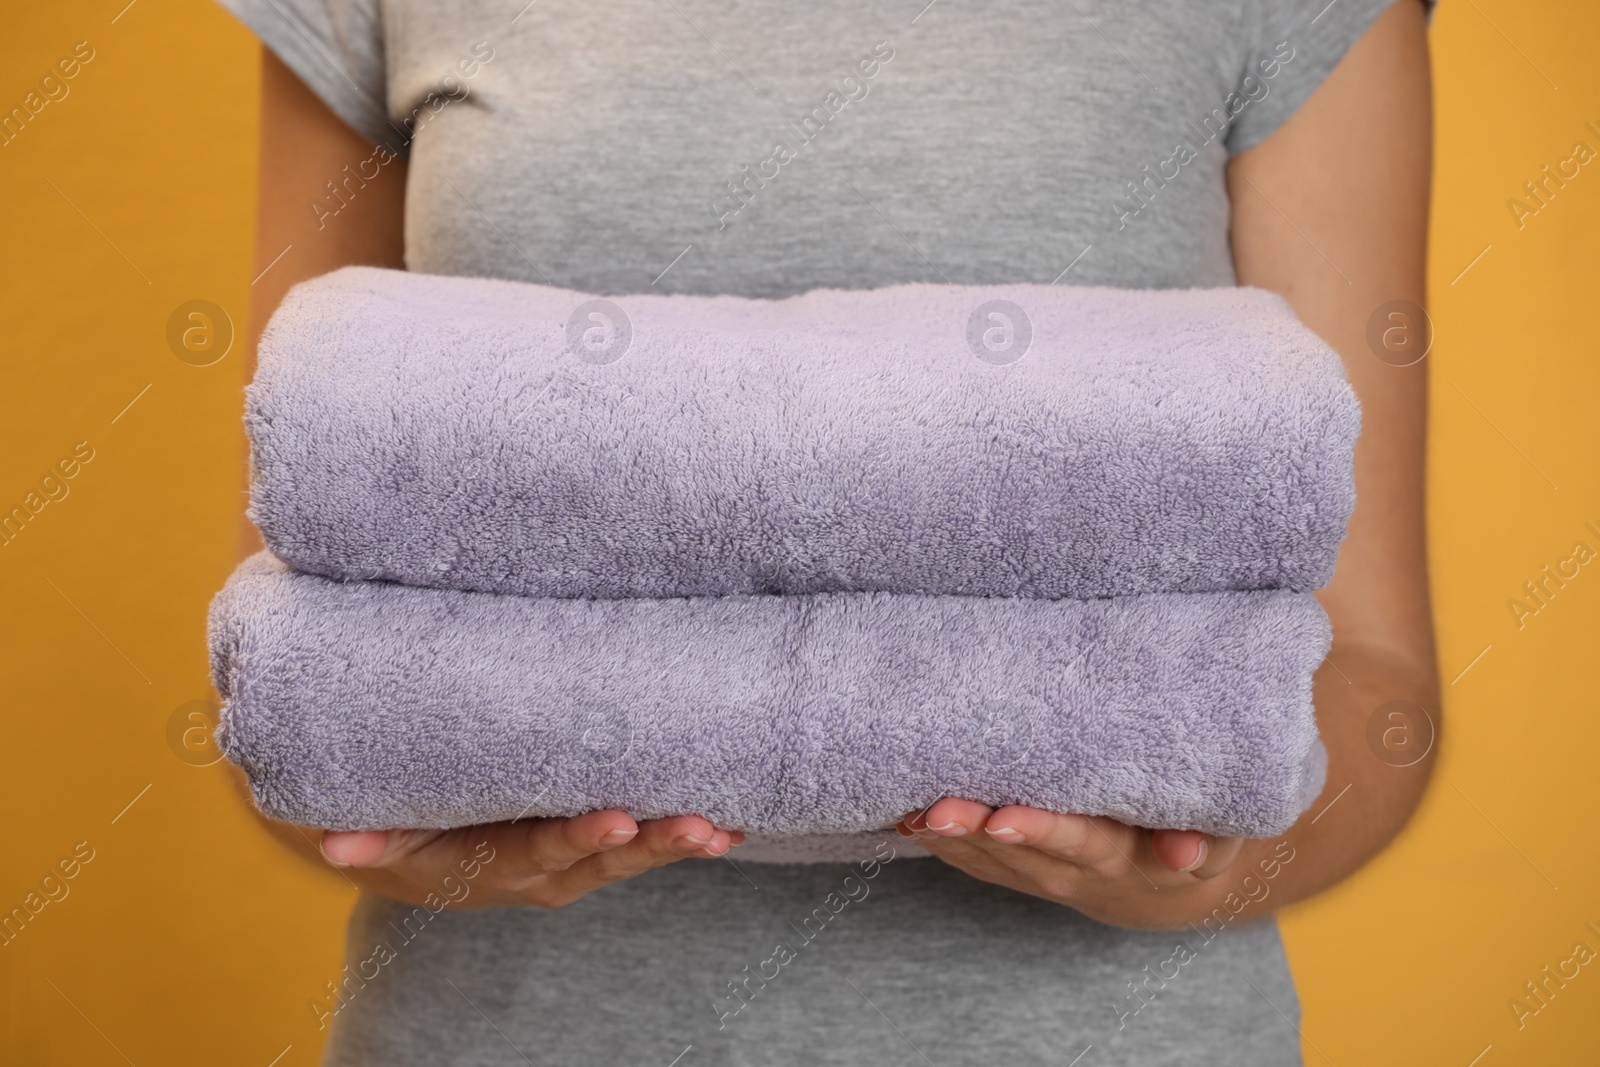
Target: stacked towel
[
  {"x": 441, "y": 432},
  {"x": 1076, "y": 580},
  {"x": 378, "y": 704}
]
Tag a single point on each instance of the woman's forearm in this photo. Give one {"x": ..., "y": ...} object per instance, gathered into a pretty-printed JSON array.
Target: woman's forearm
[
  {"x": 1332, "y": 213},
  {"x": 1378, "y": 714}
]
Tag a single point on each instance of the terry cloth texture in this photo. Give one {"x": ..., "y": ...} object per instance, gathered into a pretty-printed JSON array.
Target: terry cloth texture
[
  {"x": 371, "y": 705},
  {"x": 516, "y": 438}
]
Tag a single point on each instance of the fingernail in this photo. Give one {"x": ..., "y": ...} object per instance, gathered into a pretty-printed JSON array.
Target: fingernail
[
  {"x": 715, "y": 851},
  {"x": 613, "y": 838},
  {"x": 1007, "y": 835},
  {"x": 322, "y": 847},
  {"x": 949, "y": 829},
  {"x": 1199, "y": 858},
  {"x": 689, "y": 842}
]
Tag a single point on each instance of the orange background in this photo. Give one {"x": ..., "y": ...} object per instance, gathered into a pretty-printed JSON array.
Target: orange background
[{"x": 191, "y": 938}]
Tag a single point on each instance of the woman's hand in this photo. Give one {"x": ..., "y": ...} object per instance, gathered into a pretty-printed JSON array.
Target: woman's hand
[
  {"x": 1111, "y": 872},
  {"x": 547, "y": 863}
]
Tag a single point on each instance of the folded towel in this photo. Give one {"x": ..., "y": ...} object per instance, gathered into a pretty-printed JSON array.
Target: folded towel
[
  {"x": 505, "y": 437},
  {"x": 367, "y": 705}
]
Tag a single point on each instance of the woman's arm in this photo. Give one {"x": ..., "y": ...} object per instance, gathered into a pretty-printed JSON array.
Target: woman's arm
[
  {"x": 545, "y": 862},
  {"x": 1331, "y": 212}
]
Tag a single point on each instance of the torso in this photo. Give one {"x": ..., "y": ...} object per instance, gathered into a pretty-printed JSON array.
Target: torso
[{"x": 990, "y": 143}]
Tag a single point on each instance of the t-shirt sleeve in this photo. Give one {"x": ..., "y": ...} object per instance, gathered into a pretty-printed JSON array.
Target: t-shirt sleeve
[
  {"x": 1290, "y": 48},
  {"x": 336, "y": 47}
]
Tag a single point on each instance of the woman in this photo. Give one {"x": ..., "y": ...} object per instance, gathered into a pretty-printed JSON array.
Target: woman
[{"x": 766, "y": 149}]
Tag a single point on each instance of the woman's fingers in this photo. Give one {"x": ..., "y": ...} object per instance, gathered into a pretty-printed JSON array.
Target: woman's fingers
[
  {"x": 1179, "y": 850},
  {"x": 528, "y": 861},
  {"x": 1095, "y": 864},
  {"x": 1081, "y": 839},
  {"x": 355, "y": 848},
  {"x": 543, "y": 846},
  {"x": 967, "y": 855},
  {"x": 950, "y": 817},
  {"x": 1190, "y": 851},
  {"x": 522, "y": 849},
  {"x": 374, "y": 848},
  {"x": 659, "y": 843},
  {"x": 1078, "y": 838}
]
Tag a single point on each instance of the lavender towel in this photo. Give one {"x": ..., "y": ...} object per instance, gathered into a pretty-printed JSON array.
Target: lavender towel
[
  {"x": 505, "y": 437},
  {"x": 375, "y": 705}
]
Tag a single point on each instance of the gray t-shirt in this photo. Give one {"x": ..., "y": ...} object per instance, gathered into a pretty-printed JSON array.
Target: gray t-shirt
[{"x": 765, "y": 148}]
